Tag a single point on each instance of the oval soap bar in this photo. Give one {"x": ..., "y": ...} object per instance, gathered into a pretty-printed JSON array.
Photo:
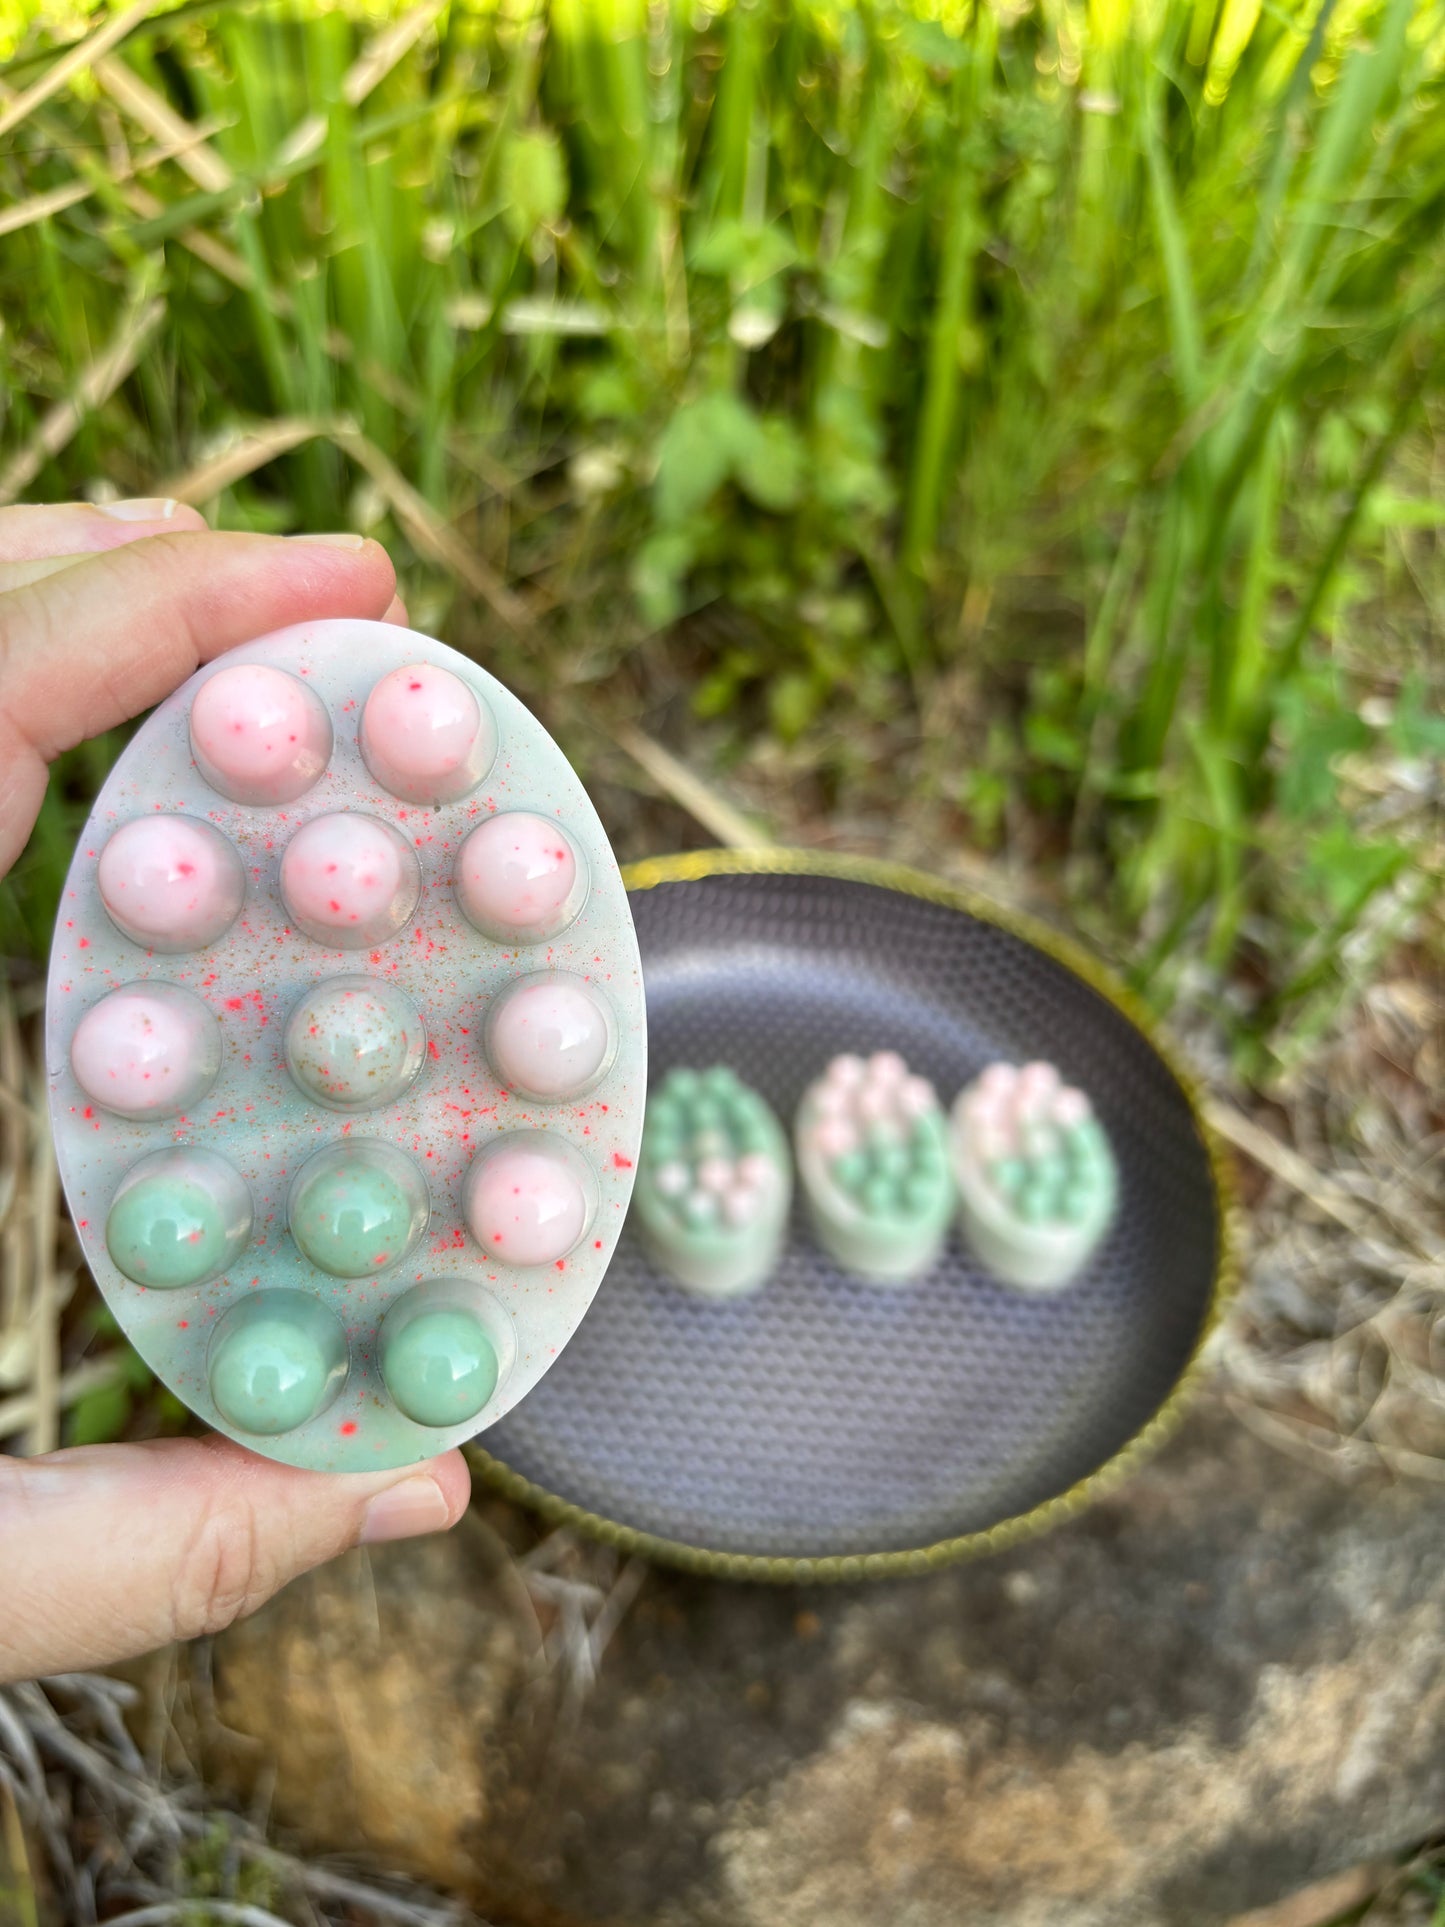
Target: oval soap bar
[{"x": 347, "y": 1171}]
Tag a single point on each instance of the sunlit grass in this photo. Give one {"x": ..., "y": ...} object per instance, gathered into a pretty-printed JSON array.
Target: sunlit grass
[{"x": 1071, "y": 347}]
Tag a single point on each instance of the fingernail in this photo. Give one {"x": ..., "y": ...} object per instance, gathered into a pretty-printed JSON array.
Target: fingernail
[
  {"x": 344, "y": 540},
  {"x": 141, "y": 508},
  {"x": 404, "y": 1512}
]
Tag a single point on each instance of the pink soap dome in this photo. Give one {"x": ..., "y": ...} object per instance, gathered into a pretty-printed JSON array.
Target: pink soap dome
[
  {"x": 519, "y": 878},
  {"x": 258, "y": 734},
  {"x": 349, "y": 880},
  {"x": 528, "y": 1198},
  {"x": 550, "y": 1037},
  {"x": 146, "y": 1051},
  {"x": 426, "y": 736},
  {"x": 172, "y": 883}
]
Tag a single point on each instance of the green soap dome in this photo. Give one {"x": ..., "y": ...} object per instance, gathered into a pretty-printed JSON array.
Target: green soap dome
[
  {"x": 353, "y": 1219},
  {"x": 682, "y": 1085},
  {"x": 165, "y": 1232},
  {"x": 1033, "y": 1204},
  {"x": 661, "y": 1146},
  {"x": 711, "y": 1143},
  {"x": 893, "y": 1161},
  {"x": 920, "y": 1193},
  {"x": 719, "y": 1081},
  {"x": 1086, "y": 1142},
  {"x": 708, "y": 1115},
  {"x": 699, "y": 1208},
  {"x": 1009, "y": 1175},
  {"x": 850, "y": 1170},
  {"x": 879, "y": 1195},
  {"x": 1076, "y": 1203},
  {"x": 277, "y": 1360},
  {"x": 752, "y": 1131},
  {"x": 1051, "y": 1173},
  {"x": 440, "y": 1368}
]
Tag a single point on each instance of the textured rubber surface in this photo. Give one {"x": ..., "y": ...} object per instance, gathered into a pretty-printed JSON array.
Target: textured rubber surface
[{"x": 825, "y": 1416}]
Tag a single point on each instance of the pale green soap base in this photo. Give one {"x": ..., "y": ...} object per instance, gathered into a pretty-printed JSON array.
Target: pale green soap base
[
  {"x": 357, "y": 1209},
  {"x": 277, "y": 1359},
  {"x": 713, "y": 1259},
  {"x": 440, "y": 1368},
  {"x": 884, "y": 1247}
]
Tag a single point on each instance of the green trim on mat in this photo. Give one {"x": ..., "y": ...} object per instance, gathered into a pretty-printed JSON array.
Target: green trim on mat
[{"x": 694, "y": 867}]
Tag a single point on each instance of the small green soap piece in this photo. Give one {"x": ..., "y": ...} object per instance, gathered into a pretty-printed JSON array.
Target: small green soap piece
[
  {"x": 1087, "y": 1144},
  {"x": 438, "y": 1364},
  {"x": 893, "y": 1161},
  {"x": 180, "y": 1216},
  {"x": 356, "y": 1208},
  {"x": 851, "y": 1169},
  {"x": 878, "y": 1194},
  {"x": 277, "y": 1359},
  {"x": 1077, "y": 1202},
  {"x": 1034, "y": 1203},
  {"x": 1009, "y": 1174},
  {"x": 920, "y": 1192},
  {"x": 1051, "y": 1172}
]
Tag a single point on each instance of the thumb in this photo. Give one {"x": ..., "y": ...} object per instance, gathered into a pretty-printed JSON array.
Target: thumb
[{"x": 109, "y": 1551}]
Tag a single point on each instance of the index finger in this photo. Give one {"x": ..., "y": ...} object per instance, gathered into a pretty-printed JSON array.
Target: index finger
[{"x": 109, "y": 636}]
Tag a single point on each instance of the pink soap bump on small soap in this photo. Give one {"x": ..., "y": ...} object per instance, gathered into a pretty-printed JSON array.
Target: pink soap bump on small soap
[
  {"x": 528, "y": 1198},
  {"x": 258, "y": 734},
  {"x": 146, "y": 1051},
  {"x": 550, "y": 1036},
  {"x": 519, "y": 878},
  {"x": 171, "y": 883},
  {"x": 425, "y": 736},
  {"x": 349, "y": 880}
]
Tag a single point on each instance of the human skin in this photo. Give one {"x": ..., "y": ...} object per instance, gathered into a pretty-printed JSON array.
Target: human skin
[{"x": 110, "y": 1550}]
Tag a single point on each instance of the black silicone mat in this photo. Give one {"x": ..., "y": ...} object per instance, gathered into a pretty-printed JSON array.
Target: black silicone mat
[{"x": 826, "y": 1419}]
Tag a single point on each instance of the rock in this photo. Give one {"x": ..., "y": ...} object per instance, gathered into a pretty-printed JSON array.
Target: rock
[
  {"x": 381, "y": 1693},
  {"x": 1221, "y": 1683}
]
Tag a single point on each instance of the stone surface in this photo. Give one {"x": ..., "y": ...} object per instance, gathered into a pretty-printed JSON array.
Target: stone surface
[
  {"x": 381, "y": 1691},
  {"x": 1216, "y": 1686}
]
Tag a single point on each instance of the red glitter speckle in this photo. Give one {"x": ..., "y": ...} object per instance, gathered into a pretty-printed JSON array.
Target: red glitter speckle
[
  {"x": 85, "y": 943},
  {"x": 183, "y": 1324},
  {"x": 596, "y": 1244},
  {"x": 621, "y": 1163},
  {"x": 348, "y": 1428},
  {"x": 233, "y": 1003},
  {"x": 432, "y": 1050},
  {"x": 561, "y": 1264}
]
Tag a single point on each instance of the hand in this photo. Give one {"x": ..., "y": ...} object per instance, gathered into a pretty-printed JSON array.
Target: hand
[{"x": 108, "y": 1551}]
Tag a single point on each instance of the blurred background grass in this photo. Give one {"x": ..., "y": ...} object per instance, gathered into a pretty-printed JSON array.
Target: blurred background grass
[{"x": 1021, "y": 418}]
